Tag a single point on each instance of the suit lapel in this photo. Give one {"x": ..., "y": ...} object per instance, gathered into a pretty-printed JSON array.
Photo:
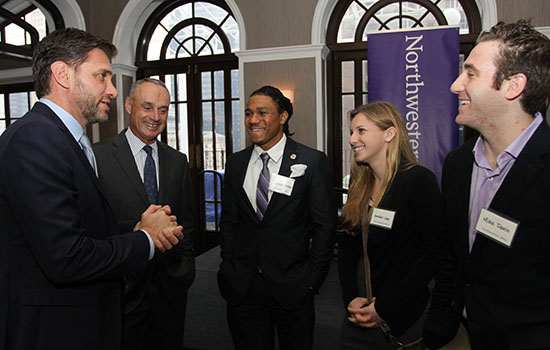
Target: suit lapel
[
  {"x": 164, "y": 171},
  {"x": 48, "y": 113},
  {"x": 127, "y": 162},
  {"x": 290, "y": 157},
  {"x": 524, "y": 171},
  {"x": 240, "y": 174},
  {"x": 462, "y": 179}
]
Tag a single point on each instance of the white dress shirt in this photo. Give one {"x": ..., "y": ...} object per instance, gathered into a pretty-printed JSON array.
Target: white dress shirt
[
  {"x": 136, "y": 146},
  {"x": 255, "y": 166}
]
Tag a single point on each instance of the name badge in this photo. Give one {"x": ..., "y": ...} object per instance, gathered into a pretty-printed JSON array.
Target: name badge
[
  {"x": 496, "y": 227},
  {"x": 382, "y": 218},
  {"x": 281, "y": 184}
]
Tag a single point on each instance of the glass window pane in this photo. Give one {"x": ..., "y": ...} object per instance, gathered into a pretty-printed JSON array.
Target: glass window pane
[
  {"x": 220, "y": 135},
  {"x": 346, "y": 32},
  {"x": 183, "y": 128},
  {"x": 235, "y": 83},
  {"x": 212, "y": 206},
  {"x": 172, "y": 49},
  {"x": 177, "y": 15},
  {"x": 2, "y": 107},
  {"x": 364, "y": 76},
  {"x": 348, "y": 78},
  {"x": 19, "y": 104},
  {"x": 169, "y": 82},
  {"x": 15, "y": 35},
  {"x": 153, "y": 52},
  {"x": 184, "y": 33},
  {"x": 206, "y": 85},
  {"x": 231, "y": 29},
  {"x": 37, "y": 19},
  {"x": 218, "y": 84},
  {"x": 207, "y": 116},
  {"x": 171, "y": 127},
  {"x": 34, "y": 98},
  {"x": 212, "y": 12},
  {"x": 2, "y": 125},
  {"x": 215, "y": 46},
  {"x": 182, "y": 87},
  {"x": 236, "y": 125},
  {"x": 186, "y": 50},
  {"x": 203, "y": 31},
  {"x": 207, "y": 136},
  {"x": 348, "y": 104}
]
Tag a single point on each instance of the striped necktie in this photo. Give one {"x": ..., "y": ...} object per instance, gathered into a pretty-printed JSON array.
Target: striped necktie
[{"x": 263, "y": 187}]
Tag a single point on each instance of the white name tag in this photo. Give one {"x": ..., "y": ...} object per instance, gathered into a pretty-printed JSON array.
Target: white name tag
[
  {"x": 496, "y": 227},
  {"x": 382, "y": 218},
  {"x": 281, "y": 184}
]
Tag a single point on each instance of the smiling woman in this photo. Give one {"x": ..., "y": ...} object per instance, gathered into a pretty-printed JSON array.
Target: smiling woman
[{"x": 393, "y": 205}]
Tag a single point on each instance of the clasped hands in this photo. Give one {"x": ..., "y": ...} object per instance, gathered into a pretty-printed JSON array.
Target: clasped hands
[
  {"x": 363, "y": 314},
  {"x": 163, "y": 227}
]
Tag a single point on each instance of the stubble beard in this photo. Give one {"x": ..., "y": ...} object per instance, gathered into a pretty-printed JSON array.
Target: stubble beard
[{"x": 88, "y": 105}]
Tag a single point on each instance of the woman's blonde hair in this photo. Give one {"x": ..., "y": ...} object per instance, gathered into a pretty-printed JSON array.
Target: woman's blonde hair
[{"x": 399, "y": 157}]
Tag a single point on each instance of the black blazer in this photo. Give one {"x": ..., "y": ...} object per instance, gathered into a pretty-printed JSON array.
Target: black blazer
[
  {"x": 125, "y": 191},
  {"x": 66, "y": 258},
  {"x": 402, "y": 259},
  {"x": 506, "y": 290},
  {"x": 280, "y": 244}
]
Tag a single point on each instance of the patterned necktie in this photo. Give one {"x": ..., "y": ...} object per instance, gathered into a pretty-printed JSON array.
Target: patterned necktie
[
  {"x": 150, "y": 176},
  {"x": 263, "y": 187},
  {"x": 87, "y": 148}
]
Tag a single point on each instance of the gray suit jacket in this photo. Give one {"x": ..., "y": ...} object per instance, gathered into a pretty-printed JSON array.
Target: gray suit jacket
[{"x": 125, "y": 191}]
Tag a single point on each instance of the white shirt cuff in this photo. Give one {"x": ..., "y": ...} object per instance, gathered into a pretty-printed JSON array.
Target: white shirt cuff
[{"x": 151, "y": 244}]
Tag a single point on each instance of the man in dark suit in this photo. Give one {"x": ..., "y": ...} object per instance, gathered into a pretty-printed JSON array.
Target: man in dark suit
[
  {"x": 66, "y": 258},
  {"x": 159, "y": 294},
  {"x": 494, "y": 272},
  {"x": 277, "y": 227}
]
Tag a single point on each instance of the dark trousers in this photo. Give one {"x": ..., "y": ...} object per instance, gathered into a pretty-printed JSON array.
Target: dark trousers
[
  {"x": 253, "y": 322},
  {"x": 156, "y": 324}
]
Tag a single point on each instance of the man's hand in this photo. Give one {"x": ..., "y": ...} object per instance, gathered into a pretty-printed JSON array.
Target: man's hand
[
  {"x": 363, "y": 314},
  {"x": 161, "y": 226}
]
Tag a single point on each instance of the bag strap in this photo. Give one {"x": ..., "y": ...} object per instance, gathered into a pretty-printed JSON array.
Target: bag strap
[{"x": 368, "y": 284}]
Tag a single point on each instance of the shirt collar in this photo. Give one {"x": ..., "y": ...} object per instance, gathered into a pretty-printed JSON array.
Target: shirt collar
[
  {"x": 136, "y": 144},
  {"x": 275, "y": 152},
  {"x": 68, "y": 120},
  {"x": 513, "y": 149}
]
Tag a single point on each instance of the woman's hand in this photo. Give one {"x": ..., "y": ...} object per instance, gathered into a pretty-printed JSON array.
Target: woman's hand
[{"x": 362, "y": 314}]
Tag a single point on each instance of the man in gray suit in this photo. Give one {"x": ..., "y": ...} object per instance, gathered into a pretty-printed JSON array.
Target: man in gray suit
[{"x": 137, "y": 170}]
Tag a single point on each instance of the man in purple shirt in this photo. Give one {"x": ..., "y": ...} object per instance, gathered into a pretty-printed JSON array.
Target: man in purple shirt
[{"x": 494, "y": 267}]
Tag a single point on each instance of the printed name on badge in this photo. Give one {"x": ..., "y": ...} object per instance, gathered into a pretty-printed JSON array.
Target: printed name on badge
[
  {"x": 382, "y": 218},
  {"x": 281, "y": 184},
  {"x": 496, "y": 227}
]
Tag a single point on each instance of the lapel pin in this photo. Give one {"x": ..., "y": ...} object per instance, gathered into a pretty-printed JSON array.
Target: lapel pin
[{"x": 292, "y": 156}]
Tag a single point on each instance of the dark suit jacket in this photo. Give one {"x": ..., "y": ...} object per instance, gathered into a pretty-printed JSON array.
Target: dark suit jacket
[
  {"x": 506, "y": 290},
  {"x": 280, "y": 243},
  {"x": 66, "y": 256},
  {"x": 402, "y": 259},
  {"x": 125, "y": 191}
]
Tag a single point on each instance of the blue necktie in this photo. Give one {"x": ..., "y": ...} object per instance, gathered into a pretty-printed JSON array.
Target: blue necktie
[
  {"x": 262, "y": 188},
  {"x": 150, "y": 176}
]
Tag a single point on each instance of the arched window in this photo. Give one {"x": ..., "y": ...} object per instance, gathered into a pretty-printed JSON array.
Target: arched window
[
  {"x": 349, "y": 24},
  {"x": 189, "y": 44},
  {"x": 22, "y": 25}
]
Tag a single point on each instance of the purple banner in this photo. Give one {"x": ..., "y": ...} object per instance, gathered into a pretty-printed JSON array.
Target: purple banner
[{"x": 414, "y": 70}]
